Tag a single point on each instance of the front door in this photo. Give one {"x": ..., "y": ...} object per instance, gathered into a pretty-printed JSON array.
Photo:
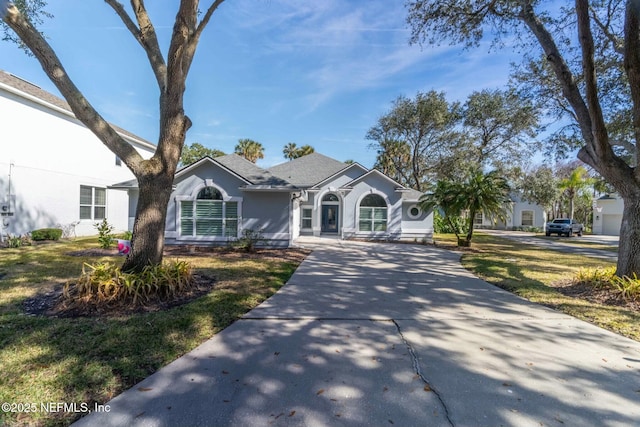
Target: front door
[{"x": 330, "y": 218}]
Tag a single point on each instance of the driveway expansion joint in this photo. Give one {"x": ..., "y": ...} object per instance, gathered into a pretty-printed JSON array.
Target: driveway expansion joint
[{"x": 416, "y": 368}]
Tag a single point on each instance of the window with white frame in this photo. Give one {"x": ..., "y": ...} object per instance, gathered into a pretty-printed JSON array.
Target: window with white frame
[
  {"x": 306, "y": 217},
  {"x": 93, "y": 202},
  {"x": 209, "y": 215},
  {"x": 373, "y": 214},
  {"x": 527, "y": 218},
  {"x": 477, "y": 220}
]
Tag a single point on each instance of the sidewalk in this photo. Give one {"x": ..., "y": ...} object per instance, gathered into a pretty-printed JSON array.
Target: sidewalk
[{"x": 390, "y": 334}]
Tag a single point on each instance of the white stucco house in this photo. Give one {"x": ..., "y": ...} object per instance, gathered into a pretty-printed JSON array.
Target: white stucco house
[
  {"x": 53, "y": 169},
  {"x": 607, "y": 215},
  {"x": 520, "y": 215}
]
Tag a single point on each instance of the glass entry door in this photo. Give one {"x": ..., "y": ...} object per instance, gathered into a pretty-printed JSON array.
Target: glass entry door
[{"x": 330, "y": 218}]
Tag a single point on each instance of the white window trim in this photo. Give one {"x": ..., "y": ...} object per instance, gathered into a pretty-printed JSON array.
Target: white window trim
[
  {"x": 302, "y": 217},
  {"x": 192, "y": 198},
  {"x": 93, "y": 204},
  {"x": 357, "y": 213}
]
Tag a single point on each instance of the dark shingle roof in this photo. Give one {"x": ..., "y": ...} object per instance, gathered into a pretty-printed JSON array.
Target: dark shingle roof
[
  {"x": 37, "y": 92},
  {"x": 308, "y": 170},
  {"x": 251, "y": 172}
]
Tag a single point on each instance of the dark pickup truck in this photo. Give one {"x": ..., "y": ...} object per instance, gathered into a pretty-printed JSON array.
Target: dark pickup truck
[{"x": 565, "y": 226}]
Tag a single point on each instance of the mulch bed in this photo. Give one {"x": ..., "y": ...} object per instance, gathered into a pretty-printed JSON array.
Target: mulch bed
[
  {"x": 50, "y": 302},
  {"x": 595, "y": 295}
]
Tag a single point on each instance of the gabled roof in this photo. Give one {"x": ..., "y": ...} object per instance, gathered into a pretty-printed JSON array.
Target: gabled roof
[
  {"x": 29, "y": 90},
  {"x": 251, "y": 172},
  {"x": 307, "y": 171},
  {"x": 380, "y": 174},
  {"x": 252, "y": 175},
  {"x": 341, "y": 171}
]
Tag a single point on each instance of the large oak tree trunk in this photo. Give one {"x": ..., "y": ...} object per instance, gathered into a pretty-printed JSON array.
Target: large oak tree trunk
[
  {"x": 629, "y": 246},
  {"x": 148, "y": 229}
]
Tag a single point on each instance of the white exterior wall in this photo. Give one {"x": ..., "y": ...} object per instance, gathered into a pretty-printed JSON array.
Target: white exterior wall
[
  {"x": 49, "y": 156},
  {"x": 607, "y": 215}
]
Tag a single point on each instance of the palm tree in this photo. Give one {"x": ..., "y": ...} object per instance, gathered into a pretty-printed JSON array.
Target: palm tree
[
  {"x": 290, "y": 151},
  {"x": 444, "y": 196},
  {"x": 574, "y": 184},
  {"x": 304, "y": 150},
  {"x": 249, "y": 149},
  {"x": 478, "y": 192},
  {"x": 486, "y": 193}
]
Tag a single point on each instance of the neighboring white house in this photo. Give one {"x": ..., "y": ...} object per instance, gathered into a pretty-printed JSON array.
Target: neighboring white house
[
  {"x": 53, "y": 169},
  {"x": 607, "y": 215},
  {"x": 520, "y": 214}
]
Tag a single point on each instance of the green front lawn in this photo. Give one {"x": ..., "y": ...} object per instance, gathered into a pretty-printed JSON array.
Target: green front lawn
[
  {"x": 87, "y": 360},
  {"x": 532, "y": 272}
]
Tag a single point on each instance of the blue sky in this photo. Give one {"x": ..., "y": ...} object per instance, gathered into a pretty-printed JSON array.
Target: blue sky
[{"x": 276, "y": 71}]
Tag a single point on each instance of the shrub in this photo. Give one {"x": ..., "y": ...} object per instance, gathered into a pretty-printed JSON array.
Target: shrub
[
  {"x": 106, "y": 283},
  {"x": 18, "y": 241},
  {"x": 440, "y": 225},
  {"x": 105, "y": 233},
  {"x": 46, "y": 234},
  {"x": 627, "y": 287},
  {"x": 250, "y": 239},
  {"x": 127, "y": 235}
]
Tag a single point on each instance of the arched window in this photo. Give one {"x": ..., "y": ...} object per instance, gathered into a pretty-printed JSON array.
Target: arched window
[
  {"x": 373, "y": 214},
  {"x": 209, "y": 215},
  {"x": 209, "y": 193},
  {"x": 330, "y": 198}
]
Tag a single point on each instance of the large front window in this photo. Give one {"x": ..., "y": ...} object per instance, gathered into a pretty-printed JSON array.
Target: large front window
[
  {"x": 209, "y": 215},
  {"x": 373, "y": 214},
  {"x": 93, "y": 202}
]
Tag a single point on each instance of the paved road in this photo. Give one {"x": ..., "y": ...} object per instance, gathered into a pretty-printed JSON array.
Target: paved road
[
  {"x": 564, "y": 244},
  {"x": 388, "y": 334}
]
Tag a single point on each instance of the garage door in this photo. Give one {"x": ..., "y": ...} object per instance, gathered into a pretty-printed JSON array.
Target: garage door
[{"x": 611, "y": 224}]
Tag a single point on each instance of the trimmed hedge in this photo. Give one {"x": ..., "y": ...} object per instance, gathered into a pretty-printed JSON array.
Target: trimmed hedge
[{"x": 46, "y": 234}]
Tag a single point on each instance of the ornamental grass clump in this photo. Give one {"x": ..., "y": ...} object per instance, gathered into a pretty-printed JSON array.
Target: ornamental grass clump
[
  {"x": 605, "y": 278},
  {"x": 106, "y": 284}
]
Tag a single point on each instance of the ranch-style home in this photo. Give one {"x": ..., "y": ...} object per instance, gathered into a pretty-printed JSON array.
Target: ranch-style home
[
  {"x": 215, "y": 199},
  {"x": 53, "y": 170}
]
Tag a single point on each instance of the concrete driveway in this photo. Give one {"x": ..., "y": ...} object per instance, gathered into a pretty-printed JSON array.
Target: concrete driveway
[{"x": 390, "y": 334}]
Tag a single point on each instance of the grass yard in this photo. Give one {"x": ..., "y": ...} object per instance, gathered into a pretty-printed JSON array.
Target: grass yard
[
  {"x": 577, "y": 241},
  {"x": 87, "y": 360},
  {"x": 538, "y": 274}
]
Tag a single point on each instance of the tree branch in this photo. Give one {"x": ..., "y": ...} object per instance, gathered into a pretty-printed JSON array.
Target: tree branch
[
  {"x": 82, "y": 109},
  {"x": 565, "y": 77},
  {"x": 618, "y": 45},
  {"x": 585, "y": 37},
  {"x": 195, "y": 37},
  {"x": 632, "y": 67},
  {"x": 145, "y": 34}
]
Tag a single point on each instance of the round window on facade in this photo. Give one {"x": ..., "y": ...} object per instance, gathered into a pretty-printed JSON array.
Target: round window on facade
[{"x": 414, "y": 212}]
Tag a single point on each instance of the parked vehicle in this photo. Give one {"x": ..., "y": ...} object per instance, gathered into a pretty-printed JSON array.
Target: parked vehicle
[{"x": 565, "y": 226}]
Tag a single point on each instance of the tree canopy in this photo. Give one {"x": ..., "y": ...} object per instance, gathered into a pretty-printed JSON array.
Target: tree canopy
[
  {"x": 583, "y": 59},
  {"x": 427, "y": 139},
  {"x": 194, "y": 152},
  {"x": 415, "y": 138}
]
